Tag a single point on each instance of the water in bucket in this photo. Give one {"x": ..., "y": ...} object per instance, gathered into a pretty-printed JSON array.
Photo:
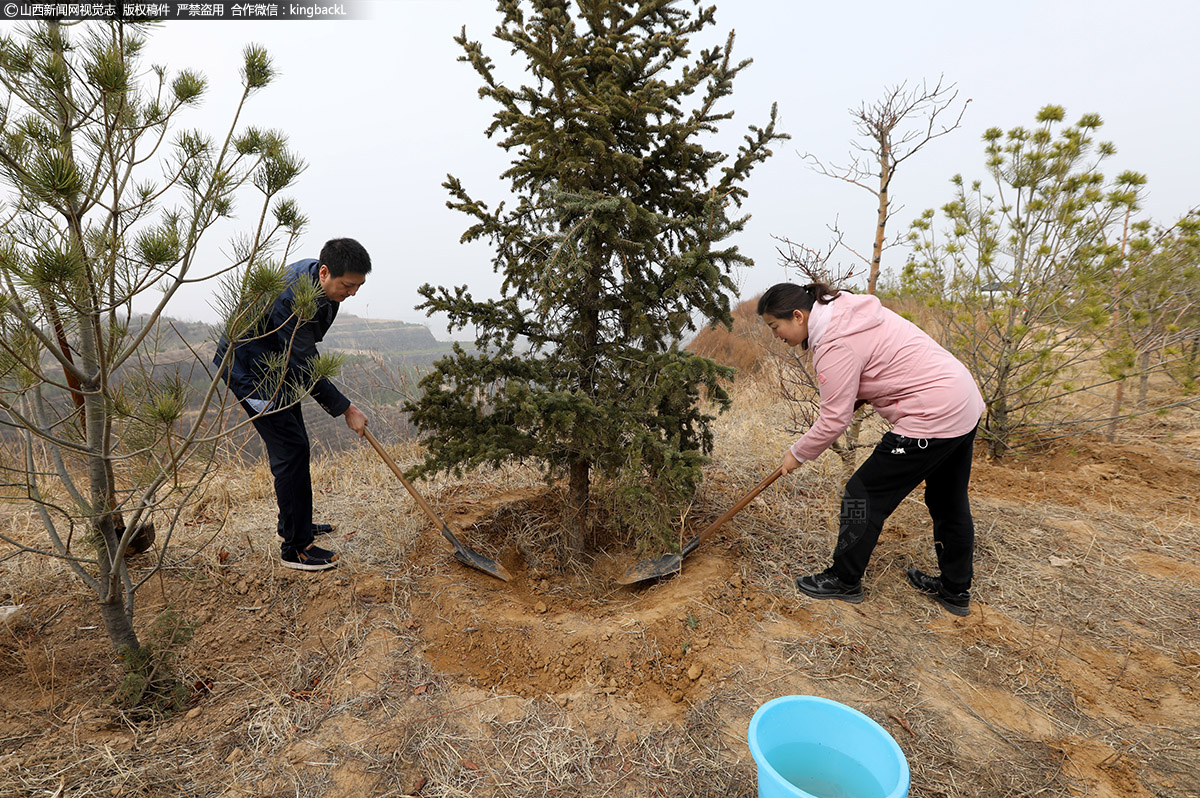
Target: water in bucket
[{"x": 824, "y": 772}]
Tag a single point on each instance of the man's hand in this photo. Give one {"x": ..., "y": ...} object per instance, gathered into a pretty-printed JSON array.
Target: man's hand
[
  {"x": 790, "y": 463},
  {"x": 356, "y": 420}
]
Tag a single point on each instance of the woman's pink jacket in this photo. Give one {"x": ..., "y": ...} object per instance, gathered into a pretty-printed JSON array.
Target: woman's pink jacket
[{"x": 862, "y": 350}]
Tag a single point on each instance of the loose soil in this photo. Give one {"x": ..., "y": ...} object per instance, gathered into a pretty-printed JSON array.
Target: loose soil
[{"x": 404, "y": 673}]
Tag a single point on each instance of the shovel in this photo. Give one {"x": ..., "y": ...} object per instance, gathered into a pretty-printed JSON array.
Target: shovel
[
  {"x": 461, "y": 552},
  {"x": 671, "y": 563}
]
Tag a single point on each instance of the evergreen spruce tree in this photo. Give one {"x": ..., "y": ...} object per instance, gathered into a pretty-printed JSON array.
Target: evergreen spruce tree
[{"x": 614, "y": 248}]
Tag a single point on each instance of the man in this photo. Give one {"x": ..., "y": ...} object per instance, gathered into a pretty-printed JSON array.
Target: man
[{"x": 275, "y": 411}]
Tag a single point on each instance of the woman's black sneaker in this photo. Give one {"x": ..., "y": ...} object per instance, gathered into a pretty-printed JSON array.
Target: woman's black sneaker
[
  {"x": 314, "y": 558},
  {"x": 954, "y": 603},
  {"x": 827, "y": 586},
  {"x": 317, "y": 529}
]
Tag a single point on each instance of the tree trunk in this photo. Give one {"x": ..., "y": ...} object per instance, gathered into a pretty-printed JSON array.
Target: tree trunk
[
  {"x": 575, "y": 536},
  {"x": 119, "y": 628},
  {"x": 1116, "y": 411},
  {"x": 997, "y": 416},
  {"x": 576, "y": 532},
  {"x": 1116, "y": 318},
  {"x": 110, "y": 558},
  {"x": 885, "y": 179},
  {"x": 1144, "y": 379},
  {"x": 117, "y": 621}
]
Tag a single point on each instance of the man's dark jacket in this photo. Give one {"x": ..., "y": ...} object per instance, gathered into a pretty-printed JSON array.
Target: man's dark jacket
[{"x": 244, "y": 376}]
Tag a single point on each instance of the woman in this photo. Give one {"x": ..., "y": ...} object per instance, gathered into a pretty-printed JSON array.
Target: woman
[{"x": 863, "y": 352}]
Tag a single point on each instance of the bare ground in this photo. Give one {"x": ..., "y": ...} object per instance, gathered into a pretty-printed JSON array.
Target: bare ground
[{"x": 403, "y": 673}]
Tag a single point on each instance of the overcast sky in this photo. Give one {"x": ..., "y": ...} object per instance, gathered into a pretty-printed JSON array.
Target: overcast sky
[{"x": 382, "y": 111}]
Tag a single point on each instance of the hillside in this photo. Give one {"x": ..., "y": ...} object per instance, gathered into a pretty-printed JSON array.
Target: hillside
[
  {"x": 404, "y": 673},
  {"x": 383, "y": 361},
  {"x": 351, "y": 334},
  {"x": 414, "y": 342}
]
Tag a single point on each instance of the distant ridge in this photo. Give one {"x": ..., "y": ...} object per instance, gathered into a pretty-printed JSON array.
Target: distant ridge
[
  {"x": 178, "y": 341},
  {"x": 356, "y": 334},
  {"x": 384, "y": 360}
]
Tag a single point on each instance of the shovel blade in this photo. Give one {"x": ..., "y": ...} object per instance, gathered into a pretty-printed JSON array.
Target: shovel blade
[
  {"x": 474, "y": 559},
  {"x": 461, "y": 552},
  {"x": 652, "y": 568}
]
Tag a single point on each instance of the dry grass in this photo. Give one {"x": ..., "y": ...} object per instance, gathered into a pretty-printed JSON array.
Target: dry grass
[{"x": 1075, "y": 676}]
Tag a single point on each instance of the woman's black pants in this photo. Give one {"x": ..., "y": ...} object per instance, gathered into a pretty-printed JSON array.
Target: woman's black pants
[{"x": 893, "y": 470}]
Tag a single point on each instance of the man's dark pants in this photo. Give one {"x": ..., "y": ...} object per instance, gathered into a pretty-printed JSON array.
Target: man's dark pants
[
  {"x": 893, "y": 471},
  {"x": 287, "y": 444}
]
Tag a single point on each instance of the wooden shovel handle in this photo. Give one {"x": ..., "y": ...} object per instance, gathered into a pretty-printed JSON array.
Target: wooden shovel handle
[
  {"x": 734, "y": 510},
  {"x": 429, "y": 511}
]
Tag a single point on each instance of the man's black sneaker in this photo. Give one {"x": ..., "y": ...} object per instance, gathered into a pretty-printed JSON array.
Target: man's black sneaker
[
  {"x": 954, "y": 603},
  {"x": 317, "y": 529},
  {"x": 314, "y": 558},
  {"x": 827, "y": 586}
]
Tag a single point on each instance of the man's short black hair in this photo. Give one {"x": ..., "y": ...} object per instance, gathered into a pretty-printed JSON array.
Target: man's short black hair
[{"x": 341, "y": 255}]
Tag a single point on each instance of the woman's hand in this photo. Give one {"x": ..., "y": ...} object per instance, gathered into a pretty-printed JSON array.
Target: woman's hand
[{"x": 790, "y": 463}]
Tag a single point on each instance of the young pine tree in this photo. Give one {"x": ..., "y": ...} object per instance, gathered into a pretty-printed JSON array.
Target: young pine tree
[
  {"x": 614, "y": 248},
  {"x": 1022, "y": 275},
  {"x": 105, "y": 200}
]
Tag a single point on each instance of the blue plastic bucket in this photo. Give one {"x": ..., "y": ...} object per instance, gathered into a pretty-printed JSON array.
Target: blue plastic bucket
[{"x": 810, "y": 747}]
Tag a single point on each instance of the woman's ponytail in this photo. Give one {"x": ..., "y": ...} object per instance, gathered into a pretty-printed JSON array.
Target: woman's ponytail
[{"x": 782, "y": 299}]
